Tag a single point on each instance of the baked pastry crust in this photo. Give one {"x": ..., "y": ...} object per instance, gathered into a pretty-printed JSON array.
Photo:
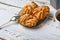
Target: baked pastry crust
[
  {"x": 28, "y": 20},
  {"x": 41, "y": 12},
  {"x": 28, "y": 8},
  {"x": 32, "y": 14}
]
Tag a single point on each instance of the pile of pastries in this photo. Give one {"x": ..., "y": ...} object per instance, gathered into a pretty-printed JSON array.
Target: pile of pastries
[{"x": 31, "y": 14}]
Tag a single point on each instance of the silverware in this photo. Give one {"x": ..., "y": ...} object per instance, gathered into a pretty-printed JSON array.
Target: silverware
[{"x": 14, "y": 18}]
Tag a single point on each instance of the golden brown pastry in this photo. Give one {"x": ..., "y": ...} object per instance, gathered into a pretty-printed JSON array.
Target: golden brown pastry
[
  {"x": 32, "y": 14},
  {"x": 38, "y": 14},
  {"x": 33, "y": 5},
  {"x": 28, "y": 8},
  {"x": 28, "y": 20},
  {"x": 41, "y": 12}
]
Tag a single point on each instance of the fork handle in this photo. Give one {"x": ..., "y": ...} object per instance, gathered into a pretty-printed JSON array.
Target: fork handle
[{"x": 3, "y": 25}]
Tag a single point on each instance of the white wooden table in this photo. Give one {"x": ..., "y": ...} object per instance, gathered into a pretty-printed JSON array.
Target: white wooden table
[{"x": 15, "y": 31}]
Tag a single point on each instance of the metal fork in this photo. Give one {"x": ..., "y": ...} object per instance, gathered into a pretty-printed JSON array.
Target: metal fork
[{"x": 14, "y": 18}]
